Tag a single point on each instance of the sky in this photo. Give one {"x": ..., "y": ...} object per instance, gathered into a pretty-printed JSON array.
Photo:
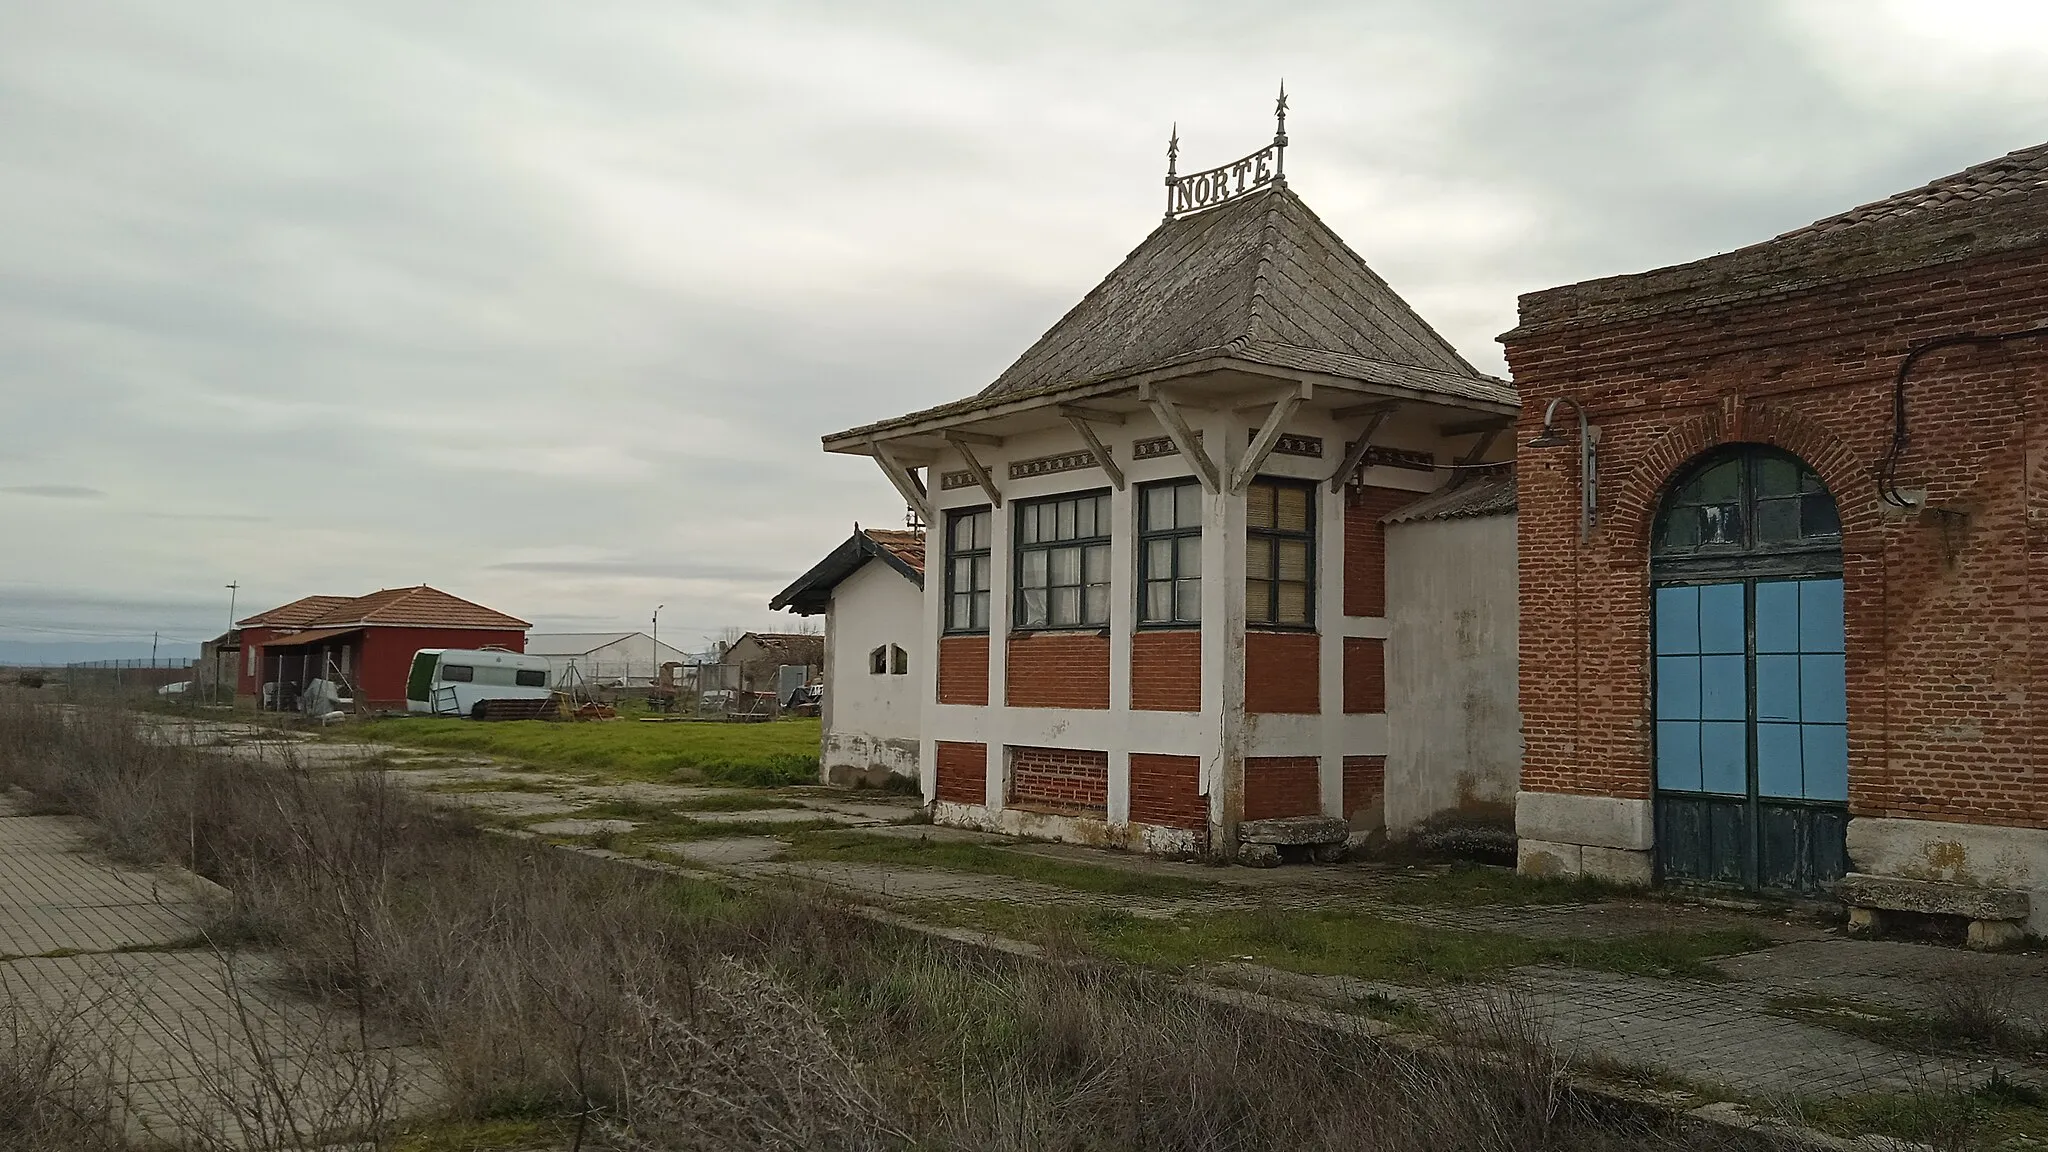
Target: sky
[{"x": 548, "y": 304}]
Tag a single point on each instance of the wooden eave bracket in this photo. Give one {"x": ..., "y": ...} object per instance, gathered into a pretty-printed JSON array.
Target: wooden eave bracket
[
  {"x": 1376, "y": 415},
  {"x": 1183, "y": 438},
  {"x": 1268, "y": 436},
  {"x": 965, "y": 447},
  {"x": 1079, "y": 419},
  {"x": 906, "y": 481}
]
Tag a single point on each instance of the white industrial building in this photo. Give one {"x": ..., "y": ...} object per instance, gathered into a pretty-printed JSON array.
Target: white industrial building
[{"x": 602, "y": 658}]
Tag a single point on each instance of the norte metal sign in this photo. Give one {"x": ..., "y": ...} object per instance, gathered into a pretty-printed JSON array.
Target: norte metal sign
[{"x": 1207, "y": 189}]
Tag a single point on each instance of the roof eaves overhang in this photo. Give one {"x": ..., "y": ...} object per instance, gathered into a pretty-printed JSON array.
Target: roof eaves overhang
[
  {"x": 961, "y": 417},
  {"x": 809, "y": 593}
]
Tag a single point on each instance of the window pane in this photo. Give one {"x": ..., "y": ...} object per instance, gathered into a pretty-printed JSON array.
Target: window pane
[
  {"x": 1777, "y": 760},
  {"x": 1817, "y": 516},
  {"x": 1086, "y": 514},
  {"x": 1678, "y": 620},
  {"x": 1031, "y": 608},
  {"x": 1823, "y": 690},
  {"x": 1187, "y": 600},
  {"x": 1776, "y": 476},
  {"x": 1721, "y": 623},
  {"x": 1820, "y": 616},
  {"x": 1293, "y": 603},
  {"x": 1678, "y": 756},
  {"x": 1777, "y": 688},
  {"x": 1095, "y": 604},
  {"x": 1066, "y": 566},
  {"x": 1065, "y": 528},
  {"x": 1724, "y": 757},
  {"x": 1258, "y": 558},
  {"x": 1717, "y": 485},
  {"x": 1158, "y": 602},
  {"x": 1158, "y": 558},
  {"x": 1777, "y": 616},
  {"x": 963, "y": 574},
  {"x": 981, "y": 610},
  {"x": 963, "y": 533},
  {"x": 1095, "y": 564},
  {"x": 1680, "y": 530},
  {"x": 1187, "y": 500},
  {"x": 981, "y": 573},
  {"x": 1825, "y": 750},
  {"x": 982, "y": 521},
  {"x": 1258, "y": 601},
  {"x": 1721, "y": 524},
  {"x": 1034, "y": 571},
  {"x": 1190, "y": 549},
  {"x": 1259, "y": 506},
  {"x": 1293, "y": 559},
  {"x": 1678, "y": 687},
  {"x": 1158, "y": 509},
  {"x": 959, "y": 613},
  {"x": 1066, "y": 605},
  {"x": 1724, "y": 688},
  {"x": 1293, "y": 509},
  {"x": 1027, "y": 524},
  {"x": 1777, "y": 521}
]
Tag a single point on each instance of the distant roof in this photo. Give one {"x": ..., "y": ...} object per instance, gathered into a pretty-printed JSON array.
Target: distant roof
[
  {"x": 1261, "y": 279},
  {"x": 418, "y": 606},
  {"x": 789, "y": 647},
  {"x": 572, "y": 643},
  {"x": 296, "y": 614},
  {"x": 811, "y": 594},
  {"x": 1492, "y": 495},
  {"x": 1998, "y": 206}
]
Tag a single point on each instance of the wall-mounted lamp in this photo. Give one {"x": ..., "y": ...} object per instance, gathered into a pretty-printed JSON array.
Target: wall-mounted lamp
[{"x": 1589, "y": 436}]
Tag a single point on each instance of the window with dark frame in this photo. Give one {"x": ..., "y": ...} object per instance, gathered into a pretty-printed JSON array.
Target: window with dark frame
[
  {"x": 530, "y": 677},
  {"x": 458, "y": 673},
  {"x": 1170, "y": 553},
  {"x": 967, "y": 570},
  {"x": 1062, "y": 569},
  {"x": 1279, "y": 558},
  {"x": 878, "y": 660},
  {"x": 899, "y": 661}
]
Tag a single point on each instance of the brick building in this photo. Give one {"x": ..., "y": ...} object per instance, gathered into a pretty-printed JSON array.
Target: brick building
[
  {"x": 1158, "y": 594},
  {"x": 1806, "y": 632},
  {"x": 365, "y": 643}
]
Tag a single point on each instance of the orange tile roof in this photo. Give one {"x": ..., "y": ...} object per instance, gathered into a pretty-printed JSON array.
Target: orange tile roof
[
  {"x": 296, "y": 614},
  {"x": 418, "y": 606},
  {"x": 907, "y": 546}
]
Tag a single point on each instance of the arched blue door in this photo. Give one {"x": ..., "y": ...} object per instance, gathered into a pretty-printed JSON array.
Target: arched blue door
[{"x": 1751, "y": 744}]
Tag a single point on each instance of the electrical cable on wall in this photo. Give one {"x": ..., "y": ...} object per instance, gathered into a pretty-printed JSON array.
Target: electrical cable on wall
[{"x": 1887, "y": 472}]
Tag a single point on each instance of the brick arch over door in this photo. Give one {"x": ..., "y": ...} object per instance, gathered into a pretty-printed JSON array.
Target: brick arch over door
[
  {"x": 1633, "y": 516},
  {"x": 1641, "y": 491}
]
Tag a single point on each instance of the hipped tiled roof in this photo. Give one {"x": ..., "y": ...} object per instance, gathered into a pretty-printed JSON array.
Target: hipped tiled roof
[
  {"x": 811, "y": 593},
  {"x": 296, "y": 614},
  {"x": 1261, "y": 279},
  {"x": 415, "y": 607}
]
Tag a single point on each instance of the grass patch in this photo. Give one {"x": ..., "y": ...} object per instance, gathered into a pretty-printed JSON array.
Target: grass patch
[
  {"x": 769, "y": 755},
  {"x": 956, "y": 856},
  {"x": 1999, "y": 1113},
  {"x": 504, "y": 1135},
  {"x": 1892, "y": 1028},
  {"x": 1342, "y": 943},
  {"x": 1475, "y": 885}
]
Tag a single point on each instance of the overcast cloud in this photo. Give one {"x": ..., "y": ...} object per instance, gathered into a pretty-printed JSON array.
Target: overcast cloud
[{"x": 547, "y": 304}]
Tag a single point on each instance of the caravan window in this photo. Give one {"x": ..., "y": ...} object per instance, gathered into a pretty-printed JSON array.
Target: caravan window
[
  {"x": 459, "y": 673},
  {"x": 533, "y": 678}
]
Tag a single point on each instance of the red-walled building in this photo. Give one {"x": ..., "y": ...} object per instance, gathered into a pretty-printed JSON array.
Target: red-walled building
[
  {"x": 1805, "y": 636},
  {"x": 366, "y": 641}
]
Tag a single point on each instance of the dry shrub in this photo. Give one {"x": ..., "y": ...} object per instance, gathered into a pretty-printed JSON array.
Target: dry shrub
[
  {"x": 1978, "y": 1003},
  {"x": 53, "y": 1096}
]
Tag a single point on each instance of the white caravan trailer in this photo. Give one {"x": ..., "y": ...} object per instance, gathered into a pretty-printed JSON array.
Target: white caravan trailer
[{"x": 457, "y": 681}]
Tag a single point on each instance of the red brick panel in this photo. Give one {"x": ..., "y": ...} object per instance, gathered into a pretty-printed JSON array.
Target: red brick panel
[
  {"x": 1062, "y": 779},
  {"x": 1283, "y": 672},
  {"x": 1166, "y": 671},
  {"x": 1946, "y": 678},
  {"x": 963, "y": 670},
  {"x": 1365, "y": 547},
  {"x": 1282, "y": 786},
  {"x": 1365, "y": 788},
  {"x": 1166, "y": 790},
  {"x": 1365, "y": 675},
  {"x": 1058, "y": 670},
  {"x": 963, "y": 772}
]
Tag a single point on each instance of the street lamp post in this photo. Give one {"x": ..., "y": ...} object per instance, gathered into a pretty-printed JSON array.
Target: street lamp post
[
  {"x": 656, "y": 654},
  {"x": 233, "y": 587}
]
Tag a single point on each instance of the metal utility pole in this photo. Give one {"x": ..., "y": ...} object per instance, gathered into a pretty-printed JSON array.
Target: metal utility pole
[
  {"x": 656, "y": 654},
  {"x": 219, "y": 678}
]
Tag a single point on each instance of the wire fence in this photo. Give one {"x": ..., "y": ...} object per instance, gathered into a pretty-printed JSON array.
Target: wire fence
[{"x": 129, "y": 673}]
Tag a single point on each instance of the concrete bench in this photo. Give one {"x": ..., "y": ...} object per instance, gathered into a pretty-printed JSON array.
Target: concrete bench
[
  {"x": 1259, "y": 841},
  {"x": 1997, "y": 916}
]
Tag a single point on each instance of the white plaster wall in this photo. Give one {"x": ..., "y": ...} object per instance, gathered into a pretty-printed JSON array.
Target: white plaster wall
[
  {"x": 1454, "y": 731},
  {"x": 873, "y": 721}
]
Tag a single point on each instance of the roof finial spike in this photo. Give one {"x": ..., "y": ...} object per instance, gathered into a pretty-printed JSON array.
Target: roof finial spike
[
  {"x": 1280, "y": 137},
  {"x": 1172, "y": 158}
]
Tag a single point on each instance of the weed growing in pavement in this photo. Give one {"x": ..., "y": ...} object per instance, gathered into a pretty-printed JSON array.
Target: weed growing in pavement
[{"x": 959, "y": 856}]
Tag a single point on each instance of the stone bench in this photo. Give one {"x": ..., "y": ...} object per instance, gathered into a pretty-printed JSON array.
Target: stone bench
[
  {"x": 1259, "y": 841},
  {"x": 1997, "y": 916}
]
